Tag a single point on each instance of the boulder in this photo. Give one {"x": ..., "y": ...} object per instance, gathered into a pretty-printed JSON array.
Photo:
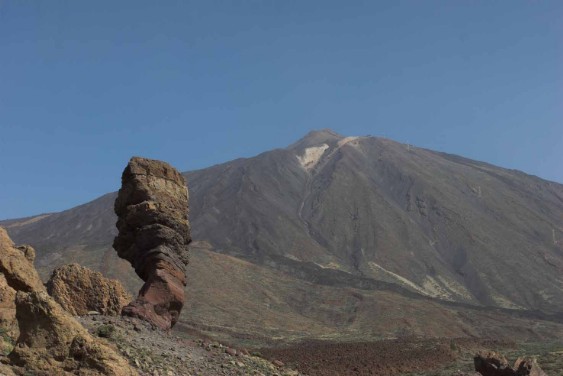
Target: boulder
[
  {"x": 17, "y": 265},
  {"x": 80, "y": 290},
  {"x": 528, "y": 367},
  {"x": 490, "y": 363},
  {"x": 52, "y": 341},
  {"x": 154, "y": 233}
]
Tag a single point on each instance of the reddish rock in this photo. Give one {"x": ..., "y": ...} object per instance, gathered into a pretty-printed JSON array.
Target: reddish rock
[
  {"x": 528, "y": 367},
  {"x": 494, "y": 364},
  {"x": 231, "y": 351},
  {"x": 278, "y": 363},
  {"x": 491, "y": 363},
  {"x": 80, "y": 290},
  {"x": 154, "y": 233}
]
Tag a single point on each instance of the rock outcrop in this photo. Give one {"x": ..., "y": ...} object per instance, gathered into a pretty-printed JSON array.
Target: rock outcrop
[
  {"x": 80, "y": 290},
  {"x": 16, "y": 273},
  {"x": 47, "y": 340},
  {"x": 8, "y": 324},
  {"x": 17, "y": 265},
  {"x": 490, "y": 363},
  {"x": 154, "y": 233},
  {"x": 52, "y": 342}
]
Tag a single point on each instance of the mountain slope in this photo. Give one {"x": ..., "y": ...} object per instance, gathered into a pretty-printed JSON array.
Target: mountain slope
[
  {"x": 434, "y": 223},
  {"x": 354, "y": 212}
]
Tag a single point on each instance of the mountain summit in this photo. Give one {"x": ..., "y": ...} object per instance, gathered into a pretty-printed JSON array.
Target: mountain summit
[
  {"x": 355, "y": 212},
  {"x": 316, "y": 138}
]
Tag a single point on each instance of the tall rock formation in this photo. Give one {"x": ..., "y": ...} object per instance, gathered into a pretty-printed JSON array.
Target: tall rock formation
[{"x": 154, "y": 233}]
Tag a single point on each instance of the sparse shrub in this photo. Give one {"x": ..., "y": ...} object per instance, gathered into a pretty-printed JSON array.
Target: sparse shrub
[
  {"x": 6, "y": 343},
  {"x": 105, "y": 331}
]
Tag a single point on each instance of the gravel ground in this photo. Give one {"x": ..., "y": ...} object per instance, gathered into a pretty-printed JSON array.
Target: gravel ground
[
  {"x": 404, "y": 356},
  {"x": 157, "y": 353}
]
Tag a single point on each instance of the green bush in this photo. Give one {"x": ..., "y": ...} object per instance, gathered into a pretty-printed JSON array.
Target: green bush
[
  {"x": 105, "y": 331},
  {"x": 6, "y": 343}
]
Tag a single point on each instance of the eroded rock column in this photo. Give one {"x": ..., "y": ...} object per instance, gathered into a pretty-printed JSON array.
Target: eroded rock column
[{"x": 154, "y": 233}]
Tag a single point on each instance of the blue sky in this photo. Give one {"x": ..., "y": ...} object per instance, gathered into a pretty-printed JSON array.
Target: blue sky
[{"x": 86, "y": 85}]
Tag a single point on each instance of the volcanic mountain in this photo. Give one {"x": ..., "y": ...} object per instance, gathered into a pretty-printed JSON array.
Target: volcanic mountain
[{"x": 333, "y": 235}]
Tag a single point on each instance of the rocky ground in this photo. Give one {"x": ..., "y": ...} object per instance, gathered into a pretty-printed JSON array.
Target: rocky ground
[
  {"x": 157, "y": 353},
  {"x": 549, "y": 356},
  {"x": 382, "y": 358},
  {"x": 410, "y": 357}
]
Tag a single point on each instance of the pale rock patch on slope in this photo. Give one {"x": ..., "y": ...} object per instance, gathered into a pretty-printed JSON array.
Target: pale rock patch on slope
[
  {"x": 381, "y": 272},
  {"x": 456, "y": 288},
  {"x": 546, "y": 295},
  {"x": 312, "y": 156},
  {"x": 347, "y": 140},
  {"x": 292, "y": 257},
  {"x": 500, "y": 299},
  {"x": 504, "y": 302},
  {"x": 434, "y": 287},
  {"x": 331, "y": 265},
  {"x": 443, "y": 289},
  {"x": 26, "y": 222}
]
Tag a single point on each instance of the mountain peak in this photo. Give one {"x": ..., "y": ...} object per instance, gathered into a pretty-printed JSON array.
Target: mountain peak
[
  {"x": 316, "y": 138},
  {"x": 325, "y": 132}
]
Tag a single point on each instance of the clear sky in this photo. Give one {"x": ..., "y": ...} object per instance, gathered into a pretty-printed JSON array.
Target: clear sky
[{"x": 84, "y": 85}]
